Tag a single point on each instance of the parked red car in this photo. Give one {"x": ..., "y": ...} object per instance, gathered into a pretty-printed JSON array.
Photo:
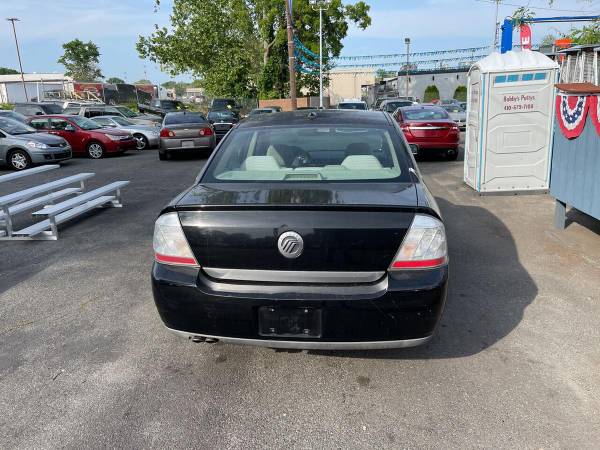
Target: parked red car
[
  {"x": 84, "y": 135},
  {"x": 429, "y": 129}
]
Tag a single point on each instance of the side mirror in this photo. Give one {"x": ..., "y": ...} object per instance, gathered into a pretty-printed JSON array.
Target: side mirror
[{"x": 39, "y": 113}]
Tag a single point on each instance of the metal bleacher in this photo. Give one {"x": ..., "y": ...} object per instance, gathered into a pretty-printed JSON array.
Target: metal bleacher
[{"x": 45, "y": 195}]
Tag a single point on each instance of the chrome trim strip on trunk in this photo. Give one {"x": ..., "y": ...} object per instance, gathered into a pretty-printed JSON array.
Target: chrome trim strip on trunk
[
  {"x": 310, "y": 345},
  {"x": 428, "y": 128},
  {"x": 292, "y": 276}
]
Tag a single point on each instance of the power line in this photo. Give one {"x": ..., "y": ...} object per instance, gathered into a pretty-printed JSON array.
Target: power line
[{"x": 542, "y": 8}]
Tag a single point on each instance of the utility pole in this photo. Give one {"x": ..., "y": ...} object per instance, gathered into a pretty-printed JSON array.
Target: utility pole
[
  {"x": 13, "y": 20},
  {"x": 320, "y": 5},
  {"x": 407, "y": 42},
  {"x": 496, "y": 24},
  {"x": 292, "y": 58}
]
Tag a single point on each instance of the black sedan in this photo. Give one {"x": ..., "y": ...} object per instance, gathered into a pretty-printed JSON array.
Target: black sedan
[
  {"x": 222, "y": 122},
  {"x": 309, "y": 230}
]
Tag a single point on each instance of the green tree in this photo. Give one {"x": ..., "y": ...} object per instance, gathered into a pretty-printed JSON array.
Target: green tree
[
  {"x": 115, "y": 80},
  {"x": 239, "y": 48},
  {"x": 460, "y": 93},
  {"x": 179, "y": 86},
  {"x": 7, "y": 71},
  {"x": 142, "y": 81},
  {"x": 81, "y": 60},
  {"x": 431, "y": 93},
  {"x": 588, "y": 34},
  {"x": 214, "y": 40}
]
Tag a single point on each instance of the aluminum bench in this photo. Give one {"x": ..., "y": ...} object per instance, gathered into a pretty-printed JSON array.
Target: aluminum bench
[
  {"x": 27, "y": 172},
  {"x": 61, "y": 212}
]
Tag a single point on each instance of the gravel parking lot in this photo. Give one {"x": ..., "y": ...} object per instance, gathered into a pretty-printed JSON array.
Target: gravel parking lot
[{"x": 86, "y": 363}]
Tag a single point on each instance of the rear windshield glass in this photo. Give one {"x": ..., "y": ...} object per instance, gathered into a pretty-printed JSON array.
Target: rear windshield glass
[
  {"x": 425, "y": 114},
  {"x": 309, "y": 154},
  {"x": 51, "y": 108},
  {"x": 453, "y": 108},
  {"x": 171, "y": 104},
  {"x": 174, "y": 119},
  {"x": 223, "y": 104},
  {"x": 221, "y": 115},
  {"x": 352, "y": 105},
  {"x": 393, "y": 106}
]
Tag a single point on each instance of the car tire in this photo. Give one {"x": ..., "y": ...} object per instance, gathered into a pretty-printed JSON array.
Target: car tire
[
  {"x": 141, "y": 142},
  {"x": 96, "y": 150},
  {"x": 451, "y": 155},
  {"x": 164, "y": 156},
  {"x": 19, "y": 159}
]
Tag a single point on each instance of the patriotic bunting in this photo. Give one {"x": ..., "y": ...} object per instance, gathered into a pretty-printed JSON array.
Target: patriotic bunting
[
  {"x": 571, "y": 112},
  {"x": 595, "y": 111}
]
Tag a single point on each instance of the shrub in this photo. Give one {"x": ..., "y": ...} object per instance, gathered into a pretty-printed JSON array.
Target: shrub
[
  {"x": 460, "y": 93},
  {"x": 431, "y": 93}
]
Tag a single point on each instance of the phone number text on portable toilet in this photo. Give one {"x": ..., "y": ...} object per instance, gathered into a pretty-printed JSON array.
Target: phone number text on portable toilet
[{"x": 523, "y": 102}]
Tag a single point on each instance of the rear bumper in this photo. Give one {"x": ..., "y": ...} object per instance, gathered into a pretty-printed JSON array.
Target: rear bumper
[
  {"x": 176, "y": 144},
  {"x": 400, "y": 310}
]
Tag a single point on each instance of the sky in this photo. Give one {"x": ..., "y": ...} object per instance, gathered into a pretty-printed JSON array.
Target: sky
[{"x": 114, "y": 25}]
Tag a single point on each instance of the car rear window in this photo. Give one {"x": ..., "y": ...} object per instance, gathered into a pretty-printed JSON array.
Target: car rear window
[
  {"x": 309, "y": 154},
  {"x": 50, "y": 108},
  {"x": 393, "y": 106},
  {"x": 352, "y": 105},
  {"x": 175, "y": 119},
  {"x": 425, "y": 114}
]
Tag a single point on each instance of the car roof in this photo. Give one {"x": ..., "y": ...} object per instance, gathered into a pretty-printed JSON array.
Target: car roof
[
  {"x": 179, "y": 113},
  {"x": 419, "y": 107},
  {"x": 327, "y": 116},
  {"x": 54, "y": 116}
]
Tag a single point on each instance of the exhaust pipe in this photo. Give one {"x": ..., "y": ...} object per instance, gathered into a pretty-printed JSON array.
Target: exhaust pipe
[{"x": 206, "y": 340}]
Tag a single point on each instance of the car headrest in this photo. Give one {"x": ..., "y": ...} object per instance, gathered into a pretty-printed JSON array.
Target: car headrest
[{"x": 261, "y": 163}]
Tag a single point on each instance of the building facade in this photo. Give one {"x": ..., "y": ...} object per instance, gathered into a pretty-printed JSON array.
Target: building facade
[
  {"x": 36, "y": 84},
  {"x": 347, "y": 83}
]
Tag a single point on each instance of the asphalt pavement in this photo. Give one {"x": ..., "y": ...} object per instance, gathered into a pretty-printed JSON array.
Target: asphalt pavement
[{"x": 85, "y": 361}]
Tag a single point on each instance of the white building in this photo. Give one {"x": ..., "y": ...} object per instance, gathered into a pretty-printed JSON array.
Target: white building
[
  {"x": 11, "y": 86},
  {"x": 347, "y": 83}
]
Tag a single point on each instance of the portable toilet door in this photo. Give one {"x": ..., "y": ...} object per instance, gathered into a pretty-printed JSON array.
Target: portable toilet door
[
  {"x": 511, "y": 149},
  {"x": 471, "y": 158}
]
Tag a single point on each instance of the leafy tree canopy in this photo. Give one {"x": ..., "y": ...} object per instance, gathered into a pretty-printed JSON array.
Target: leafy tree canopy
[
  {"x": 81, "y": 60},
  {"x": 142, "y": 81},
  {"x": 239, "y": 47},
  {"x": 431, "y": 93},
  {"x": 7, "y": 71},
  {"x": 115, "y": 80}
]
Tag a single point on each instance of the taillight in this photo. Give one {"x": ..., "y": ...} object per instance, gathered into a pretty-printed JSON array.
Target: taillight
[
  {"x": 405, "y": 127},
  {"x": 206, "y": 131},
  {"x": 165, "y": 132},
  {"x": 170, "y": 244},
  {"x": 424, "y": 246}
]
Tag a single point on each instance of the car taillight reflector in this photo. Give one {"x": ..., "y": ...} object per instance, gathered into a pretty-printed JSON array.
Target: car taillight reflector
[
  {"x": 165, "y": 132},
  {"x": 206, "y": 131},
  {"x": 170, "y": 244},
  {"x": 423, "y": 247}
]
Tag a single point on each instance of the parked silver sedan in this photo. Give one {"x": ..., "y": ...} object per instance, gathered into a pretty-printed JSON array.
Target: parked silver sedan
[
  {"x": 185, "y": 132},
  {"x": 21, "y": 146},
  {"x": 145, "y": 136},
  {"x": 458, "y": 114}
]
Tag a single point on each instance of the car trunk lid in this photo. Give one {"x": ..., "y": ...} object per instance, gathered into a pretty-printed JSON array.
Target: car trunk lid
[
  {"x": 428, "y": 129},
  {"x": 240, "y": 229}
]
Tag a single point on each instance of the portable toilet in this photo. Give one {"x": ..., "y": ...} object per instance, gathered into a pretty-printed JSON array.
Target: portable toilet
[{"x": 510, "y": 118}]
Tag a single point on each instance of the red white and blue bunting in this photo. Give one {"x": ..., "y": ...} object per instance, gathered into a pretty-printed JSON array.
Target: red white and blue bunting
[
  {"x": 595, "y": 112},
  {"x": 571, "y": 113}
]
